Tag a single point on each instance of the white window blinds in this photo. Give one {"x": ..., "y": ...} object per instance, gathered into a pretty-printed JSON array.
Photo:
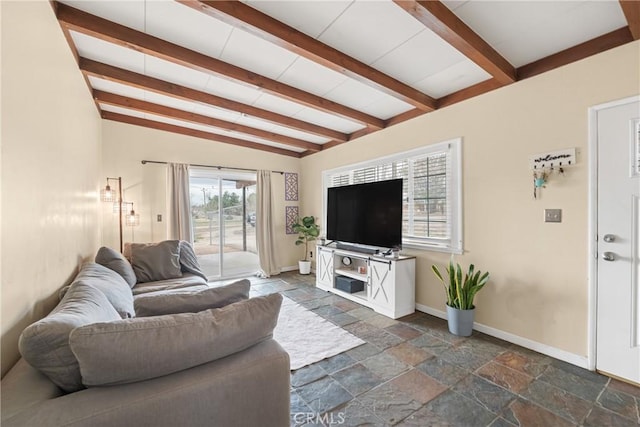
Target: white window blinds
[{"x": 431, "y": 192}]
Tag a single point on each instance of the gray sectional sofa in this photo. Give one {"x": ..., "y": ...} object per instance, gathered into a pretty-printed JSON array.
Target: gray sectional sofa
[{"x": 169, "y": 351}]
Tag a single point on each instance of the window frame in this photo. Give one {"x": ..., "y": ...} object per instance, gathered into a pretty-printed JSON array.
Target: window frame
[{"x": 453, "y": 147}]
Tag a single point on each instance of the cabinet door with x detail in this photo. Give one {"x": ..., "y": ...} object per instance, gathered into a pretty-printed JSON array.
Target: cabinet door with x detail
[
  {"x": 324, "y": 268},
  {"x": 381, "y": 280}
]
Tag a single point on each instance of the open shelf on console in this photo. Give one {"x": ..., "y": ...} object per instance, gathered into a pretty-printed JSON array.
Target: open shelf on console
[
  {"x": 362, "y": 295},
  {"x": 351, "y": 272}
]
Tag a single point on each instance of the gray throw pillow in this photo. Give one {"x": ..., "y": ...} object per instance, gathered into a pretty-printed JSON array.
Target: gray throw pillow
[
  {"x": 189, "y": 261},
  {"x": 156, "y": 261},
  {"x": 173, "y": 302},
  {"x": 133, "y": 350},
  {"x": 112, "y": 286},
  {"x": 45, "y": 343},
  {"x": 118, "y": 263}
]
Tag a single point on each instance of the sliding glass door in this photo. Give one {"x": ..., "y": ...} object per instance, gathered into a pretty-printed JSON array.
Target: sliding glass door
[{"x": 223, "y": 206}]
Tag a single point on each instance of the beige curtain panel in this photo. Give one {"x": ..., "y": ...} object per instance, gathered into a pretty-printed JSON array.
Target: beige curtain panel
[
  {"x": 264, "y": 225},
  {"x": 179, "y": 208}
]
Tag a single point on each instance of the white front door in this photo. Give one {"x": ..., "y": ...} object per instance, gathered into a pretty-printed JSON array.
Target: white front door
[{"x": 618, "y": 234}]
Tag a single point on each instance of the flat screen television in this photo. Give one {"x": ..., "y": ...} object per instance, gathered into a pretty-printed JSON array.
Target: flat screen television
[{"x": 366, "y": 214}]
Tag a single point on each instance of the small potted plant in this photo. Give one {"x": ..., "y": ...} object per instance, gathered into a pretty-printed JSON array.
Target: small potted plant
[
  {"x": 308, "y": 231},
  {"x": 461, "y": 292}
]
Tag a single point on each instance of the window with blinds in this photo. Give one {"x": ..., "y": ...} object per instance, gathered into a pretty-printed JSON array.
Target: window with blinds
[{"x": 431, "y": 192}]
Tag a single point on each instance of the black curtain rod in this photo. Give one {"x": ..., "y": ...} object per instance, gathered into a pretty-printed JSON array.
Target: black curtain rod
[{"x": 144, "y": 162}]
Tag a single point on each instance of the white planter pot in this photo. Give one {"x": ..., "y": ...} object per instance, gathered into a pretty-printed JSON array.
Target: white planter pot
[
  {"x": 304, "y": 266},
  {"x": 460, "y": 321}
]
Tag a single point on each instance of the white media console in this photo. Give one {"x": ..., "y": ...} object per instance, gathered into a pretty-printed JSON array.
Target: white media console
[{"x": 389, "y": 283}]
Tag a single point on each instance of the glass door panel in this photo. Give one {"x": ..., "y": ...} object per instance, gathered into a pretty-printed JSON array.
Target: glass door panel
[
  {"x": 223, "y": 214},
  {"x": 205, "y": 220}
]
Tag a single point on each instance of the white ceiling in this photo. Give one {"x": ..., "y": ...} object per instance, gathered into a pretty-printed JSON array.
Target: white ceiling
[{"x": 377, "y": 33}]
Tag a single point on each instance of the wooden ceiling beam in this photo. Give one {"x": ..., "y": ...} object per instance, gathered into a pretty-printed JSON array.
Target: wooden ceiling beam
[
  {"x": 140, "y": 81},
  {"x": 631, "y": 10},
  {"x": 403, "y": 117},
  {"x": 174, "y": 113},
  {"x": 102, "y": 29},
  {"x": 246, "y": 18},
  {"x": 583, "y": 50},
  {"x": 441, "y": 20},
  {"x": 137, "y": 121},
  {"x": 469, "y": 92}
]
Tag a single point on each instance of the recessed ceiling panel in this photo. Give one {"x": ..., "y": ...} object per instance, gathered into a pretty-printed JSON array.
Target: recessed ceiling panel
[
  {"x": 189, "y": 28},
  {"x": 327, "y": 120},
  {"x": 356, "y": 95},
  {"x": 525, "y": 31},
  {"x": 279, "y": 105},
  {"x": 421, "y": 56},
  {"x": 386, "y": 108},
  {"x": 116, "y": 88},
  {"x": 498, "y": 21},
  {"x": 168, "y": 101},
  {"x": 459, "y": 76},
  {"x": 174, "y": 73},
  {"x": 230, "y": 89},
  {"x": 584, "y": 22},
  {"x": 367, "y": 30},
  {"x": 119, "y": 110},
  {"x": 109, "y": 53},
  {"x": 322, "y": 81},
  {"x": 127, "y": 13},
  {"x": 281, "y": 130},
  {"x": 218, "y": 113},
  {"x": 309, "y": 17},
  {"x": 255, "y": 54}
]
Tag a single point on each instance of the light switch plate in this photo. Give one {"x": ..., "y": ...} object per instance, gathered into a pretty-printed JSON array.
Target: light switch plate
[
  {"x": 553, "y": 215},
  {"x": 159, "y": 218}
]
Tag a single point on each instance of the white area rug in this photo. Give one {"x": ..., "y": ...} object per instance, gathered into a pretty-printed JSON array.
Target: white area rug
[{"x": 307, "y": 337}]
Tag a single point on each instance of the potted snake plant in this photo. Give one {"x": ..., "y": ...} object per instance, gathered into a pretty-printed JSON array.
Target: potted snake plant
[
  {"x": 308, "y": 231},
  {"x": 461, "y": 292}
]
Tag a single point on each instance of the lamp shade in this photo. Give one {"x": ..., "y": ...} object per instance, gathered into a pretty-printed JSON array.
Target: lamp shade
[
  {"x": 108, "y": 194},
  {"x": 132, "y": 219}
]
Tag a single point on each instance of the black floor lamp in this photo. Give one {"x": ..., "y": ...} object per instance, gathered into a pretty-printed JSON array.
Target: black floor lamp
[{"x": 108, "y": 194}]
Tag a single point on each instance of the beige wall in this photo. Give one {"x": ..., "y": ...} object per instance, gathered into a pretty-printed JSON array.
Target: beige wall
[
  {"x": 124, "y": 146},
  {"x": 50, "y": 168},
  {"x": 539, "y": 283}
]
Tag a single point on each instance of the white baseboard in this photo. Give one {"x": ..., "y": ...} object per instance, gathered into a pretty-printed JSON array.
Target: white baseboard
[
  {"x": 556, "y": 353},
  {"x": 290, "y": 268}
]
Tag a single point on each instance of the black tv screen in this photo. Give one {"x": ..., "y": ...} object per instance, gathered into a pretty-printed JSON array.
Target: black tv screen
[{"x": 367, "y": 214}]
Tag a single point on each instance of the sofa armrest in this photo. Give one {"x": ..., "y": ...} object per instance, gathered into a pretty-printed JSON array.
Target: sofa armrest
[{"x": 250, "y": 387}]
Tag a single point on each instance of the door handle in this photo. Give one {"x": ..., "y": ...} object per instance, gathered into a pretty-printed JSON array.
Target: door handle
[
  {"x": 609, "y": 256},
  {"x": 609, "y": 238}
]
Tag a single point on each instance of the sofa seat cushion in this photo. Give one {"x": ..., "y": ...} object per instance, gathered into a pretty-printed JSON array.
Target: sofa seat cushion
[
  {"x": 156, "y": 261},
  {"x": 137, "y": 349},
  {"x": 185, "y": 281},
  {"x": 118, "y": 263},
  {"x": 45, "y": 343},
  {"x": 191, "y": 301}
]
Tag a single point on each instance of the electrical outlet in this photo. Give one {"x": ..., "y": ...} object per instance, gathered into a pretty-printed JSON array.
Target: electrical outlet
[
  {"x": 553, "y": 215},
  {"x": 310, "y": 254},
  {"x": 159, "y": 217}
]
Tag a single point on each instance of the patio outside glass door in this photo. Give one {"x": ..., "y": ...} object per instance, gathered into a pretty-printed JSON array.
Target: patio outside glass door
[{"x": 223, "y": 220}]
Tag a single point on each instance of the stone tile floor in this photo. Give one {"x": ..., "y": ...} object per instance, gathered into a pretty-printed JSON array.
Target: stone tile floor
[{"x": 413, "y": 372}]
